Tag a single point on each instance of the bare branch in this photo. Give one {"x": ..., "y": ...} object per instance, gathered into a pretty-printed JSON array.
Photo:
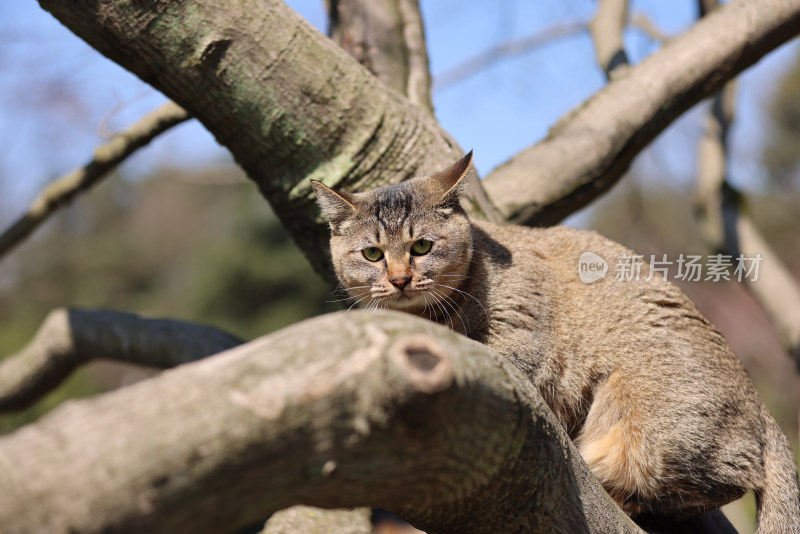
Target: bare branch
[
  {"x": 591, "y": 148},
  {"x": 606, "y": 29},
  {"x": 308, "y": 415},
  {"x": 712, "y": 168},
  {"x": 106, "y": 158},
  {"x": 69, "y": 338},
  {"x": 726, "y": 225},
  {"x": 642, "y": 22},
  {"x": 511, "y": 48}
]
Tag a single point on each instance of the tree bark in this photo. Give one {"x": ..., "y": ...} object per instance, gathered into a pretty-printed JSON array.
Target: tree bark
[
  {"x": 400, "y": 413},
  {"x": 387, "y": 37}
]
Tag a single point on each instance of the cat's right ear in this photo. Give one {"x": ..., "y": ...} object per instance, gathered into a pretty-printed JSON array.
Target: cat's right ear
[
  {"x": 449, "y": 184},
  {"x": 336, "y": 206}
]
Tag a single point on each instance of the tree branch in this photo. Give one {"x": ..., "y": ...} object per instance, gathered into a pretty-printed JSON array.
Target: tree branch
[
  {"x": 69, "y": 338},
  {"x": 376, "y": 417},
  {"x": 640, "y": 21},
  {"x": 106, "y": 157},
  {"x": 387, "y": 37},
  {"x": 591, "y": 148},
  {"x": 606, "y": 29},
  {"x": 308, "y": 520}
]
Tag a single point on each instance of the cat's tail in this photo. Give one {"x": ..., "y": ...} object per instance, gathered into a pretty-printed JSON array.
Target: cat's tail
[{"x": 779, "y": 498}]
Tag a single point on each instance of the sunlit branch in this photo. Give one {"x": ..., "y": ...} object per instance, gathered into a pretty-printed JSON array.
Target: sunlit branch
[{"x": 106, "y": 157}]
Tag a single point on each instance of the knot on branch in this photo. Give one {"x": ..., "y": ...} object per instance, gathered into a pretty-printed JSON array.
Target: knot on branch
[
  {"x": 213, "y": 53},
  {"x": 424, "y": 362}
]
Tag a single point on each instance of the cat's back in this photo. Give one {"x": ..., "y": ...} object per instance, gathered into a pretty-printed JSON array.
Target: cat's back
[
  {"x": 594, "y": 284},
  {"x": 603, "y": 314}
]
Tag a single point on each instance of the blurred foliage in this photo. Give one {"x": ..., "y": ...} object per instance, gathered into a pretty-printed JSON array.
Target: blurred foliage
[
  {"x": 782, "y": 152},
  {"x": 202, "y": 247}
]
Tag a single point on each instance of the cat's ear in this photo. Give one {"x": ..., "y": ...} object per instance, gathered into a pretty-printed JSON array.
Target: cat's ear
[
  {"x": 449, "y": 184},
  {"x": 336, "y": 206}
]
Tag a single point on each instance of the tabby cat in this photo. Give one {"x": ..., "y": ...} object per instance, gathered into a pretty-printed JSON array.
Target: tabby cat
[{"x": 652, "y": 395}]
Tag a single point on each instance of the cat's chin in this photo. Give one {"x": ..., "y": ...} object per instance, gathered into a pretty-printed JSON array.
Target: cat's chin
[{"x": 406, "y": 302}]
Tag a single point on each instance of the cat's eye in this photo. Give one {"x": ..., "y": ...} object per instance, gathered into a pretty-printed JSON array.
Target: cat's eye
[
  {"x": 372, "y": 253},
  {"x": 421, "y": 247}
]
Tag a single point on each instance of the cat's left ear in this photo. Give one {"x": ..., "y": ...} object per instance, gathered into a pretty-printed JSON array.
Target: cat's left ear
[
  {"x": 336, "y": 206},
  {"x": 449, "y": 184}
]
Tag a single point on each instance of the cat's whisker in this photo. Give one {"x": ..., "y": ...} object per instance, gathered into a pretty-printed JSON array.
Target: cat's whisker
[
  {"x": 455, "y": 307},
  {"x": 345, "y": 290},
  {"x": 444, "y": 311},
  {"x": 356, "y": 302},
  {"x": 346, "y": 298},
  {"x": 467, "y": 295},
  {"x": 427, "y": 306}
]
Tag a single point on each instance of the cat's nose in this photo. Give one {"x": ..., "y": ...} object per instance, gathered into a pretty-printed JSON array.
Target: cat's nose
[{"x": 400, "y": 282}]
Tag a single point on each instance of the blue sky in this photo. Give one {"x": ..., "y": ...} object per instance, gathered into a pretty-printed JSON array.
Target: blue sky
[{"x": 58, "y": 96}]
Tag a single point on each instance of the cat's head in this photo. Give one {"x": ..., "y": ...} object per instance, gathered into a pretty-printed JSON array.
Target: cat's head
[{"x": 407, "y": 246}]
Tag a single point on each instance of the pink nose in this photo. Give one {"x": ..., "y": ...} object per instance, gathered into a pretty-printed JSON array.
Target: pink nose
[{"x": 400, "y": 282}]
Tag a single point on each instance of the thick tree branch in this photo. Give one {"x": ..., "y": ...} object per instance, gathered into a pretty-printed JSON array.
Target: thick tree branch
[
  {"x": 106, "y": 158},
  {"x": 69, "y": 338},
  {"x": 591, "y": 148},
  {"x": 287, "y": 102},
  {"x": 377, "y": 417}
]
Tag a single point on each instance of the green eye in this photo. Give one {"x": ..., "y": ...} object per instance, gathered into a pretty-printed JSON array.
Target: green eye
[
  {"x": 372, "y": 253},
  {"x": 421, "y": 247}
]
